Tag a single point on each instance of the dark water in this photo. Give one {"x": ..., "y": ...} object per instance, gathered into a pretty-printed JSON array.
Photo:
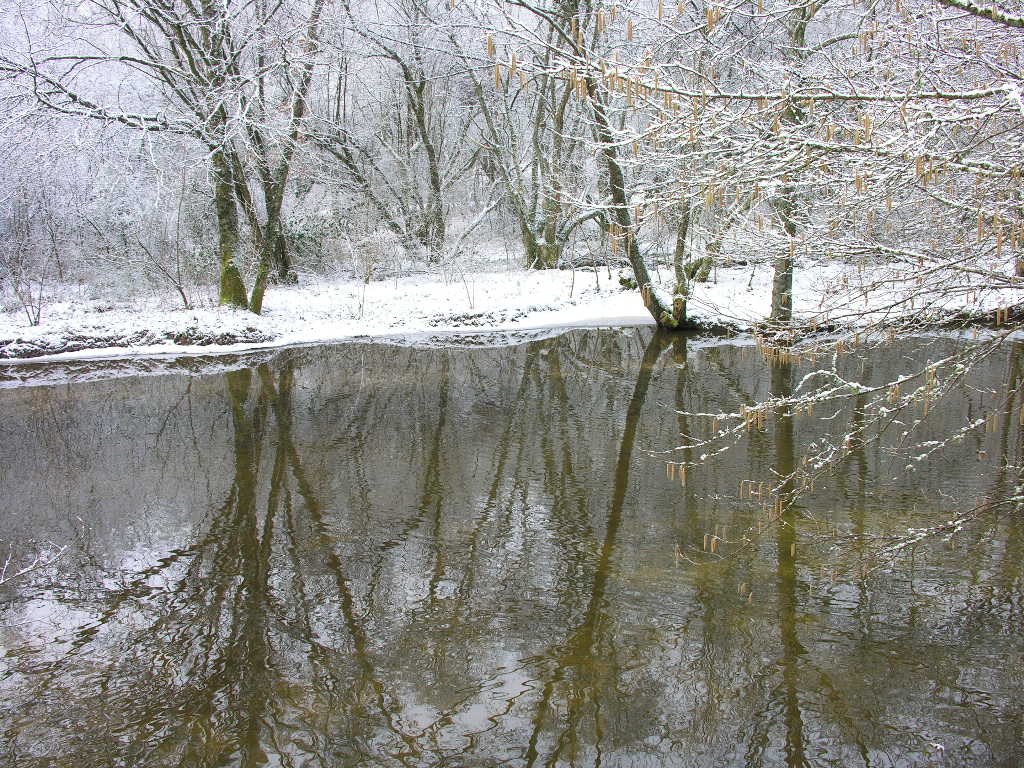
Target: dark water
[{"x": 385, "y": 556}]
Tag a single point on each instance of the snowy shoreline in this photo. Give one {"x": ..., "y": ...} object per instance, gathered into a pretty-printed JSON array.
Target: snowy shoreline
[
  {"x": 509, "y": 302},
  {"x": 324, "y": 312}
]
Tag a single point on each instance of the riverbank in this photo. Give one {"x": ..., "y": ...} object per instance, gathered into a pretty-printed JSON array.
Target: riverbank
[{"x": 74, "y": 327}]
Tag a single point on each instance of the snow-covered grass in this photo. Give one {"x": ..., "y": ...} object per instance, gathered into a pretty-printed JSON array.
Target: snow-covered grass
[
  {"x": 488, "y": 300},
  {"x": 323, "y": 311}
]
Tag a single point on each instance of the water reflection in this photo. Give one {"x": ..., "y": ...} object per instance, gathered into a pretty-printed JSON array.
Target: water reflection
[
  {"x": 370, "y": 555},
  {"x": 781, "y": 372}
]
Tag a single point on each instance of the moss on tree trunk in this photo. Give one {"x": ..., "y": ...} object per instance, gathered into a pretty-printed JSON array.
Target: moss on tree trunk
[{"x": 232, "y": 289}]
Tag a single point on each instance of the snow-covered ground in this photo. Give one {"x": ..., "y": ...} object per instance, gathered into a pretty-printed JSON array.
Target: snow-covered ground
[{"x": 319, "y": 311}]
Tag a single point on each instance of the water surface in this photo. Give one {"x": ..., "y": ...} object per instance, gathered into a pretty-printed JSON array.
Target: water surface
[{"x": 372, "y": 555}]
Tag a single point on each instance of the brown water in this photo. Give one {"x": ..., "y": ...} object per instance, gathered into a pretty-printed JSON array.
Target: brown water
[{"x": 370, "y": 555}]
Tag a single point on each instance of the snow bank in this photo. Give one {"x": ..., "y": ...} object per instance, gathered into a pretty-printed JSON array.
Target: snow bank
[
  {"x": 322, "y": 312},
  {"x": 478, "y": 302}
]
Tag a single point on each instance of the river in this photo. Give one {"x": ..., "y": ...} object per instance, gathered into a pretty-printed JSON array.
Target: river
[{"x": 399, "y": 555}]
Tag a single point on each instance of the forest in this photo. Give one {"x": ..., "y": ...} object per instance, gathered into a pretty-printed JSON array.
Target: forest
[{"x": 209, "y": 153}]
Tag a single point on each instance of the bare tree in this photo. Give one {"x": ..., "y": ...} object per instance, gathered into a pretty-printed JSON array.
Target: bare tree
[{"x": 209, "y": 72}]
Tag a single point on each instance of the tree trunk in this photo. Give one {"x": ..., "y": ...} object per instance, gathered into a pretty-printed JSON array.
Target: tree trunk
[
  {"x": 273, "y": 250},
  {"x": 782, "y": 280},
  {"x": 551, "y": 172},
  {"x": 550, "y": 250},
  {"x": 782, "y": 290},
  {"x": 259, "y": 287},
  {"x": 670, "y": 317},
  {"x": 434, "y": 228},
  {"x": 272, "y": 247},
  {"x": 232, "y": 289},
  {"x": 679, "y": 255},
  {"x": 282, "y": 261}
]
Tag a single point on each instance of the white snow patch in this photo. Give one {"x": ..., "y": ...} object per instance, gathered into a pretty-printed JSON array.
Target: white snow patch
[
  {"x": 334, "y": 311},
  {"x": 485, "y": 301}
]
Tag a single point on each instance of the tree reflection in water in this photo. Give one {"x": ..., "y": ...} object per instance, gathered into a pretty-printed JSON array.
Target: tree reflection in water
[{"x": 470, "y": 557}]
